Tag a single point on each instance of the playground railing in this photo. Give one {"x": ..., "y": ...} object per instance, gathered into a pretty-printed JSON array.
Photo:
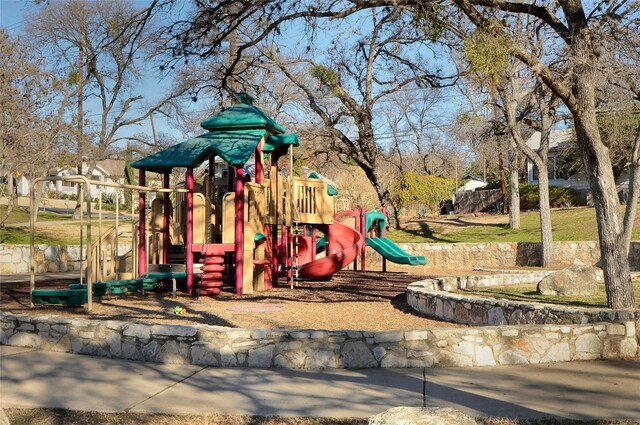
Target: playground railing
[{"x": 312, "y": 201}]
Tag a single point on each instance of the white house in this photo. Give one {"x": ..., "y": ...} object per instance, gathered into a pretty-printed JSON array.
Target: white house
[
  {"x": 560, "y": 142},
  {"x": 108, "y": 170}
]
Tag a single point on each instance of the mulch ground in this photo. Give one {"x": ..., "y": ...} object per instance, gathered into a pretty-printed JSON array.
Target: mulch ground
[{"x": 351, "y": 300}]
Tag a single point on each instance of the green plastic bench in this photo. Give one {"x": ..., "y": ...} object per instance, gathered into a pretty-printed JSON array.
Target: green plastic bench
[{"x": 70, "y": 297}]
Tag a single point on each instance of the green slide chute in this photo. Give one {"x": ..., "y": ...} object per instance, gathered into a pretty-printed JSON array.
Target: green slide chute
[{"x": 392, "y": 252}]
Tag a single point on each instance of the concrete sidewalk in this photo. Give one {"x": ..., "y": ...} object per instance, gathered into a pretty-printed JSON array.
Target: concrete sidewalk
[{"x": 582, "y": 390}]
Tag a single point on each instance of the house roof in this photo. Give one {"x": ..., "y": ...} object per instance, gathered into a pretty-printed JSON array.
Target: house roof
[
  {"x": 557, "y": 138},
  {"x": 113, "y": 167}
]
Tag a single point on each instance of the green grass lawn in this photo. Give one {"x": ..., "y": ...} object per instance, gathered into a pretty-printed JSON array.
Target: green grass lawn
[
  {"x": 578, "y": 224},
  {"x": 66, "y": 232},
  {"x": 21, "y": 215},
  {"x": 528, "y": 292}
]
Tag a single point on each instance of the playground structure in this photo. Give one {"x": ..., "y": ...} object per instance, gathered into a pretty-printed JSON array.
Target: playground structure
[{"x": 241, "y": 228}]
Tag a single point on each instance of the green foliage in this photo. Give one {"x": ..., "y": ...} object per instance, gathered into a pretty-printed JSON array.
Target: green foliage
[
  {"x": 326, "y": 76},
  {"x": 487, "y": 52},
  {"x": 72, "y": 78},
  {"x": 432, "y": 21},
  {"x": 424, "y": 191},
  {"x": 558, "y": 197}
]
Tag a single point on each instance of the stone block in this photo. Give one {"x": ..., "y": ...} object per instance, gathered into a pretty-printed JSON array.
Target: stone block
[
  {"x": 447, "y": 358},
  {"x": 496, "y": 317},
  {"x": 261, "y": 357},
  {"x": 131, "y": 351},
  {"x": 114, "y": 341},
  {"x": 588, "y": 343},
  {"x": 290, "y": 360},
  {"x": 228, "y": 357},
  {"x": 395, "y": 359},
  {"x": 299, "y": 335},
  {"x": 356, "y": 355},
  {"x": 511, "y": 357},
  {"x": 150, "y": 351},
  {"x": 388, "y": 336},
  {"x": 422, "y": 416},
  {"x": 137, "y": 331},
  {"x": 630, "y": 329},
  {"x": 204, "y": 353},
  {"x": 417, "y": 335},
  {"x": 318, "y": 359},
  {"x": 559, "y": 352},
  {"x": 484, "y": 356},
  {"x": 259, "y": 334},
  {"x": 174, "y": 330},
  {"x": 464, "y": 348},
  {"x": 628, "y": 348},
  {"x": 25, "y": 339},
  {"x": 379, "y": 352},
  {"x": 172, "y": 352}
]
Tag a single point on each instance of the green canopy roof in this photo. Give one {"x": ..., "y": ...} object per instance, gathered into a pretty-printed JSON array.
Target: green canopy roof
[
  {"x": 235, "y": 147},
  {"x": 241, "y": 116},
  {"x": 279, "y": 143}
]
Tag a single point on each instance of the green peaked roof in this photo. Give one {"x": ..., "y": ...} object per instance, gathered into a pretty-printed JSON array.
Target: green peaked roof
[
  {"x": 242, "y": 116},
  {"x": 235, "y": 147},
  {"x": 279, "y": 143}
]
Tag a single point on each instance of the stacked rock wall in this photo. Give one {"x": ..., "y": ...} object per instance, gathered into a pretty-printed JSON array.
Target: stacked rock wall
[
  {"x": 314, "y": 349},
  {"x": 15, "y": 258}
]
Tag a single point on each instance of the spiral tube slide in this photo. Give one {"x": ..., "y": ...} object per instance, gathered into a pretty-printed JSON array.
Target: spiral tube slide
[{"x": 345, "y": 243}]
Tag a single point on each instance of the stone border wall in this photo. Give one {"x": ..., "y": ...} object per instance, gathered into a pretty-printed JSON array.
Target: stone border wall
[
  {"x": 315, "y": 349},
  {"x": 14, "y": 259},
  {"x": 506, "y": 254}
]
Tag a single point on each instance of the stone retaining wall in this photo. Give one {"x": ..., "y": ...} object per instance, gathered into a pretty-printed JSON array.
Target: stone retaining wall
[
  {"x": 50, "y": 258},
  {"x": 315, "y": 349},
  {"x": 15, "y": 258},
  {"x": 506, "y": 254}
]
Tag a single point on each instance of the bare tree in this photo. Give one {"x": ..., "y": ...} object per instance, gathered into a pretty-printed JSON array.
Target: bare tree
[
  {"x": 115, "y": 48},
  {"x": 350, "y": 87},
  {"x": 34, "y": 132}
]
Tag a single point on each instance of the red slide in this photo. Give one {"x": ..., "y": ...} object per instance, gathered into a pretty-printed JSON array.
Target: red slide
[{"x": 345, "y": 244}]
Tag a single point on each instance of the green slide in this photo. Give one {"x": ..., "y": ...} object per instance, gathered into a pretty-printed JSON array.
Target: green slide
[{"x": 394, "y": 253}]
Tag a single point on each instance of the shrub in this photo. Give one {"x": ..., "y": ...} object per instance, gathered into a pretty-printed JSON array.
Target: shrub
[
  {"x": 558, "y": 197},
  {"x": 424, "y": 192}
]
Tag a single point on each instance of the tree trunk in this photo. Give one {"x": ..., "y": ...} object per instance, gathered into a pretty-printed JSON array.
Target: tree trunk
[
  {"x": 514, "y": 188},
  {"x": 614, "y": 252},
  {"x": 503, "y": 181},
  {"x": 384, "y": 196},
  {"x": 546, "y": 232}
]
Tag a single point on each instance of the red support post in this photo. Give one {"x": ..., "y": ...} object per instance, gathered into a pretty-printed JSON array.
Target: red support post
[
  {"x": 190, "y": 183},
  {"x": 289, "y": 259},
  {"x": 363, "y": 232},
  {"x": 258, "y": 162},
  {"x": 314, "y": 241},
  {"x": 239, "y": 227},
  {"x": 142, "y": 228},
  {"x": 166, "y": 222}
]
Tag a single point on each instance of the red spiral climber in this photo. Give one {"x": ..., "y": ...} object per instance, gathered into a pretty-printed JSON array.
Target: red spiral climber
[{"x": 212, "y": 273}]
